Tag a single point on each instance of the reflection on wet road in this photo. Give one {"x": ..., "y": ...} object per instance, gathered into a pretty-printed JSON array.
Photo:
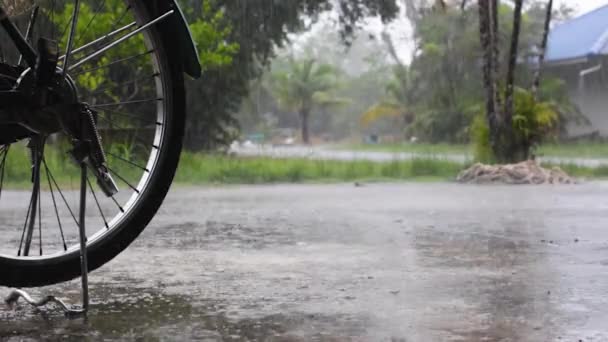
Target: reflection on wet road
[{"x": 408, "y": 262}]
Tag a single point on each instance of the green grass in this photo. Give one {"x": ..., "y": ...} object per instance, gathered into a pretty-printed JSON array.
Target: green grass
[
  {"x": 423, "y": 149},
  {"x": 199, "y": 169},
  {"x": 218, "y": 169},
  {"x": 18, "y": 174},
  {"x": 584, "y": 172},
  {"x": 205, "y": 169},
  {"x": 573, "y": 150}
]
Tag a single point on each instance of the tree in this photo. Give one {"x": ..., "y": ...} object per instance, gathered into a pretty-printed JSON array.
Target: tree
[
  {"x": 441, "y": 79},
  {"x": 543, "y": 48},
  {"x": 508, "y": 151},
  {"x": 527, "y": 118},
  {"x": 489, "y": 44},
  {"x": 303, "y": 87},
  {"x": 258, "y": 27},
  {"x": 443, "y": 88},
  {"x": 500, "y": 120},
  {"x": 396, "y": 105},
  {"x": 210, "y": 30},
  {"x": 363, "y": 68}
]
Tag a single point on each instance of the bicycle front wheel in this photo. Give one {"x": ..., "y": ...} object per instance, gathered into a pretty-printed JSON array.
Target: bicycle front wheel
[{"x": 120, "y": 65}]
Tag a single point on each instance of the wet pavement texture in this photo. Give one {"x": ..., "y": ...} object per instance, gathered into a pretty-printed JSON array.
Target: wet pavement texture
[
  {"x": 329, "y": 153},
  {"x": 381, "y": 262}
]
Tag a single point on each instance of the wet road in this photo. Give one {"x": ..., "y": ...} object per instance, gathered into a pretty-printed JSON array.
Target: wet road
[
  {"x": 329, "y": 153},
  {"x": 407, "y": 262}
]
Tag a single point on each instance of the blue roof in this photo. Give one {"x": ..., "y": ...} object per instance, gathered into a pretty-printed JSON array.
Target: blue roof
[{"x": 580, "y": 38}]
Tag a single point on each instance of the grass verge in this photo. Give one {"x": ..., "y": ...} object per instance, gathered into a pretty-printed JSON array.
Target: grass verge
[
  {"x": 422, "y": 149},
  {"x": 205, "y": 169},
  {"x": 219, "y": 169},
  {"x": 572, "y": 150}
]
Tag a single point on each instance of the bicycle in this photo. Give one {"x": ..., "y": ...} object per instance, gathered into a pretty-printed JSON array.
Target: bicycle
[{"x": 99, "y": 82}]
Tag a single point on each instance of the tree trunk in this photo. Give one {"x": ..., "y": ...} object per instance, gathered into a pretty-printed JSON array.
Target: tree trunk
[
  {"x": 392, "y": 51},
  {"x": 489, "y": 79},
  {"x": 411, "y": 12},
  {"x": 495, "y": 45},
  {"x": 304, "y": 118},
  {"x": 543, "y": 50},
  {"x": 513, "y": 60},
  {"x": 512, "y": 152}
]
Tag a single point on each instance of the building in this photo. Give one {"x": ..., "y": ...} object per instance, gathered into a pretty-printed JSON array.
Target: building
[{"x": 577, "y": 52}]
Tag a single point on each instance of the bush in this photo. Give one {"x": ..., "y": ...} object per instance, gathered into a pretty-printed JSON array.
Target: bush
[
  {"x": 533, "y": 123},
  {"x": 480, "y": 136}
]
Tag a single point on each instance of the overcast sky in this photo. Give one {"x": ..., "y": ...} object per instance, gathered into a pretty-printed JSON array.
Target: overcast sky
[
  {"x": 583, "y": 6},
  {"x": 402, "y": 33}
]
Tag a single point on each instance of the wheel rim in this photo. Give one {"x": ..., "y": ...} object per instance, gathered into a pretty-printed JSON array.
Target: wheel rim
[{"x": 132, "y": 120}]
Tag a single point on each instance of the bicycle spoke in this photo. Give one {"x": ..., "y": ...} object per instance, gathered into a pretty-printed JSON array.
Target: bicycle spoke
[
  {"x": 37, "y": 145},
  {"x": 60, "y": 192},
  {"x": 144, "y": 142},
  {"x": 53, "y": 31},
  {"x": 99, "y": 40},
  {"x": 115, "y": 127},
  {"x": 3, "y": 166},
  {"x": 8, "y": 77},
  {"x": 128, "y": 162},
  {"x": 112, "y": 63},
  {"x": 25, "y": 225},
  {"x": 123, "y": 179},
  {"x": 65, "y": 30},
  {"x": 120, "y": 19},
  {"x": 122, "y": 210},
  {"x": 119, "y": 48},
  {"x": 113, "y": 30},
  {"x": 86, "y": 29},
  {"x": 48, "y": 177},
  {"x": 125, "y": 102},
  {"x": 30, "y": 29},
  {"x": 68, "y": 50},
  {"x": 120, "y": 40},
  {"x": 120, "y": 85},
  {"x": 103, "y": 217},
  {"x": 105, "y": 111}
]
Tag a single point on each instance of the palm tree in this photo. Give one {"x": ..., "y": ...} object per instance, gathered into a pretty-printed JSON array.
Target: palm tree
[
  {"x": 397, "y": 104},
  {"x": 305, "y": 85}
]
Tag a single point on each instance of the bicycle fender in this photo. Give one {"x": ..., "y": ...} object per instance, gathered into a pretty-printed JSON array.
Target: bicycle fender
[{"x": 176, "y": 27}]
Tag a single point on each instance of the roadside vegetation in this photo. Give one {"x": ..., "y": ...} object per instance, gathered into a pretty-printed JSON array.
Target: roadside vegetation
[
  {"x": 220, "y": 169},
  {"x": 571, "y": 150},
  {"x": 201, "y": 169},
  {"x": 255, "y": 85}
]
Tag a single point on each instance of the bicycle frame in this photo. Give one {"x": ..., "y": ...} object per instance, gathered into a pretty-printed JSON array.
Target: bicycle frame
[{"x": 28, "y": 53}]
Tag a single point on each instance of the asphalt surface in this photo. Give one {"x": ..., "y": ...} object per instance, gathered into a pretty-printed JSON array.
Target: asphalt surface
[{"x": 382, "y": 262}]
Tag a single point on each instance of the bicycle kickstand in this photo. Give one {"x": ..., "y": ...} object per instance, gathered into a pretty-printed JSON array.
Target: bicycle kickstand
[{"x": 70, "y": 311}]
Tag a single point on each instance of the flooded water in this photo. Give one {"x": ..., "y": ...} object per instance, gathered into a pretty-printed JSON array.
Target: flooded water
[{"x": 382, "y": 262}]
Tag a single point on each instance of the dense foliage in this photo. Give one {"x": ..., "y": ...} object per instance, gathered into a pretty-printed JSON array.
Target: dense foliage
[
  {"x": 434, "y": 97},
  {"x": 257, "y": 27}
]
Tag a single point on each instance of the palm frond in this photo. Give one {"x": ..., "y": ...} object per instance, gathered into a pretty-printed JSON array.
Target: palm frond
[{"x": 379, "y": 111}]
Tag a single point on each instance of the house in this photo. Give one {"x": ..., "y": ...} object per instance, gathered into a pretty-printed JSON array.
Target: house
[{"x": 577, "y": 52}]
